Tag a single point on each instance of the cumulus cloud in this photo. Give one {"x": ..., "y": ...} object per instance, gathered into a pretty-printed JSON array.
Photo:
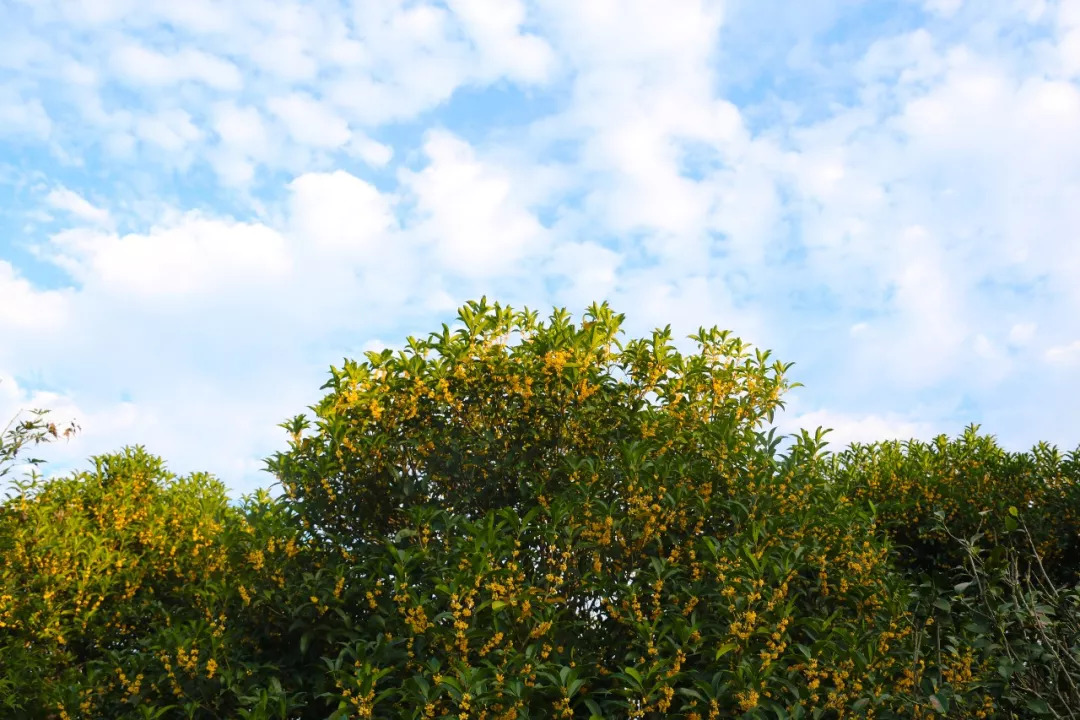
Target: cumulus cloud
[
  {"x": 266, "y": 186},
  {"x": 27, "y": 308},
  {"x": 171, "y": 130},
  {"x": 244, "y": 142},
  {"x": 591, "y": 271},
  {"x": 309, "y": 121},
  {"x": 467, "y": 211},
  {"x": 341, "y": 214},
  {"x": 199, "y": 255},
  {"x": 495, "y": 28}
]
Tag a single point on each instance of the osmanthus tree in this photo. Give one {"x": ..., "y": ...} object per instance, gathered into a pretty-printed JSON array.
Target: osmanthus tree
[
  {"x": 128, "y": 592},
  {"x": 970, "y": 482},
  {"x": 990, "y": 542},
  {"x": 537, "y": 520}
]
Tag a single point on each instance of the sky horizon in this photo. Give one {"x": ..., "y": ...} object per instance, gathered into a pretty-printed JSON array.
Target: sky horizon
[{"x": 204, "y": 206}]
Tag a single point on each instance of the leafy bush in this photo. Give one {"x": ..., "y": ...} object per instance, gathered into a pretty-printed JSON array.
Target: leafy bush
[
  {"x": 581, "y": 527},
  {"x": 1025, "y": 625},
  {"x": 972, "y": 482},
  {"x": 126, "y": 588},
  {"x": 534, "y": 519}
]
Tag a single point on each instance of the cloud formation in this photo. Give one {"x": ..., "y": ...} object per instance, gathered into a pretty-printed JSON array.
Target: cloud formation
[{"x": 205, "y": 205}]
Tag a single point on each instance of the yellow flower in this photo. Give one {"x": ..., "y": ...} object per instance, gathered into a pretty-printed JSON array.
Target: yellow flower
[{"x": 747, "y": 700}]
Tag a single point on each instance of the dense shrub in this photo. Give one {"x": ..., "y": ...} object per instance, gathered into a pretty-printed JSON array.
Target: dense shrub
[
  {"x": 1025, "y": 625},
  {"x": 126, "y": 587},
  {"x": 535, "y": 519},
  {"x": 973, "y": 482}
]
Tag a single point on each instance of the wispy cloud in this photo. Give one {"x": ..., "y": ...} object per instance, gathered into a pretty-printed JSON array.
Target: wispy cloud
[
  {"x": 1068, "y": 355},
  {"x": 77, "y": 206}
]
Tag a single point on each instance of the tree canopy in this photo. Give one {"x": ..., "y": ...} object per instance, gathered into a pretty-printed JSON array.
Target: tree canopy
[{"x": 537, "y": 519}]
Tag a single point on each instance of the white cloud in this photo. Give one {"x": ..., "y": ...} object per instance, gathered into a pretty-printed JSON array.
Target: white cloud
[
  {"x": 591, "y": 269},
  {"x": 22, "y": 115},
  {"x": 171, "y": 130},
  {"x": 1068, "y": 47},
  {"x": 632, "y": 36},
  {"x": 97, "y": 12},
  {"x": 309, "y": 121},
  {"x": 340, "y": 213},
  {"x": 241, "y": 129},
  {"x": 195, "y": 256},
  {"x": 1021, "y": 334},
  {"x": 946, "y": 8},
  {"x": 286, "y": 57},
  {"x": 243, "y": 142},
  {"x": 468, "y": 212},
  {"x": 494, "y": 26},
  {"x": 24, "y": 307},
  {"x": 197, "y": 16},
  {"x": 406, "y": 59},
  {"x": 643, "y": 106},
  {"x": 973, "y": 151},
  {"x": 652, "y": 299},
  {"x": 139, "y": 65},
  {"x": 930, "y": 307},
  {"x": 990, "y": 366},
  {"x": 1064, "y": 355},
  {"x": 359, "y": 65},
  {"x": 898, "y": 212},
  {"x": 373, "y": 153},
  {"x": 905, "y": 60},
  {"x": 71, "y": 202}
]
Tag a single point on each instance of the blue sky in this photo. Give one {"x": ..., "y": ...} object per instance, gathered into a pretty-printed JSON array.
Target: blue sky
[{"x": 204, "y": 205}]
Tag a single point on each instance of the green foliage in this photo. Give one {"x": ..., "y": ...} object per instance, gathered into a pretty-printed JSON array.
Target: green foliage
[
  {"x": 972, "y": 483},
  {"x": 1023, "y": 624},
  {"x": 126, "y": 587},
  {"x": 535, "y": 519}
]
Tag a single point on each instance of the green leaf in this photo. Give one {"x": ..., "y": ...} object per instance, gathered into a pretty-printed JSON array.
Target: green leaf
[
  {"x": 1037, "y": 706},
  {"x": 724, "y": 650},
  {"x": 940, "y": 703}
]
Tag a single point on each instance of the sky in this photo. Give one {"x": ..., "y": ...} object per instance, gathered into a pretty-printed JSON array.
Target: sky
[{"x": 205, "y": 205}]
